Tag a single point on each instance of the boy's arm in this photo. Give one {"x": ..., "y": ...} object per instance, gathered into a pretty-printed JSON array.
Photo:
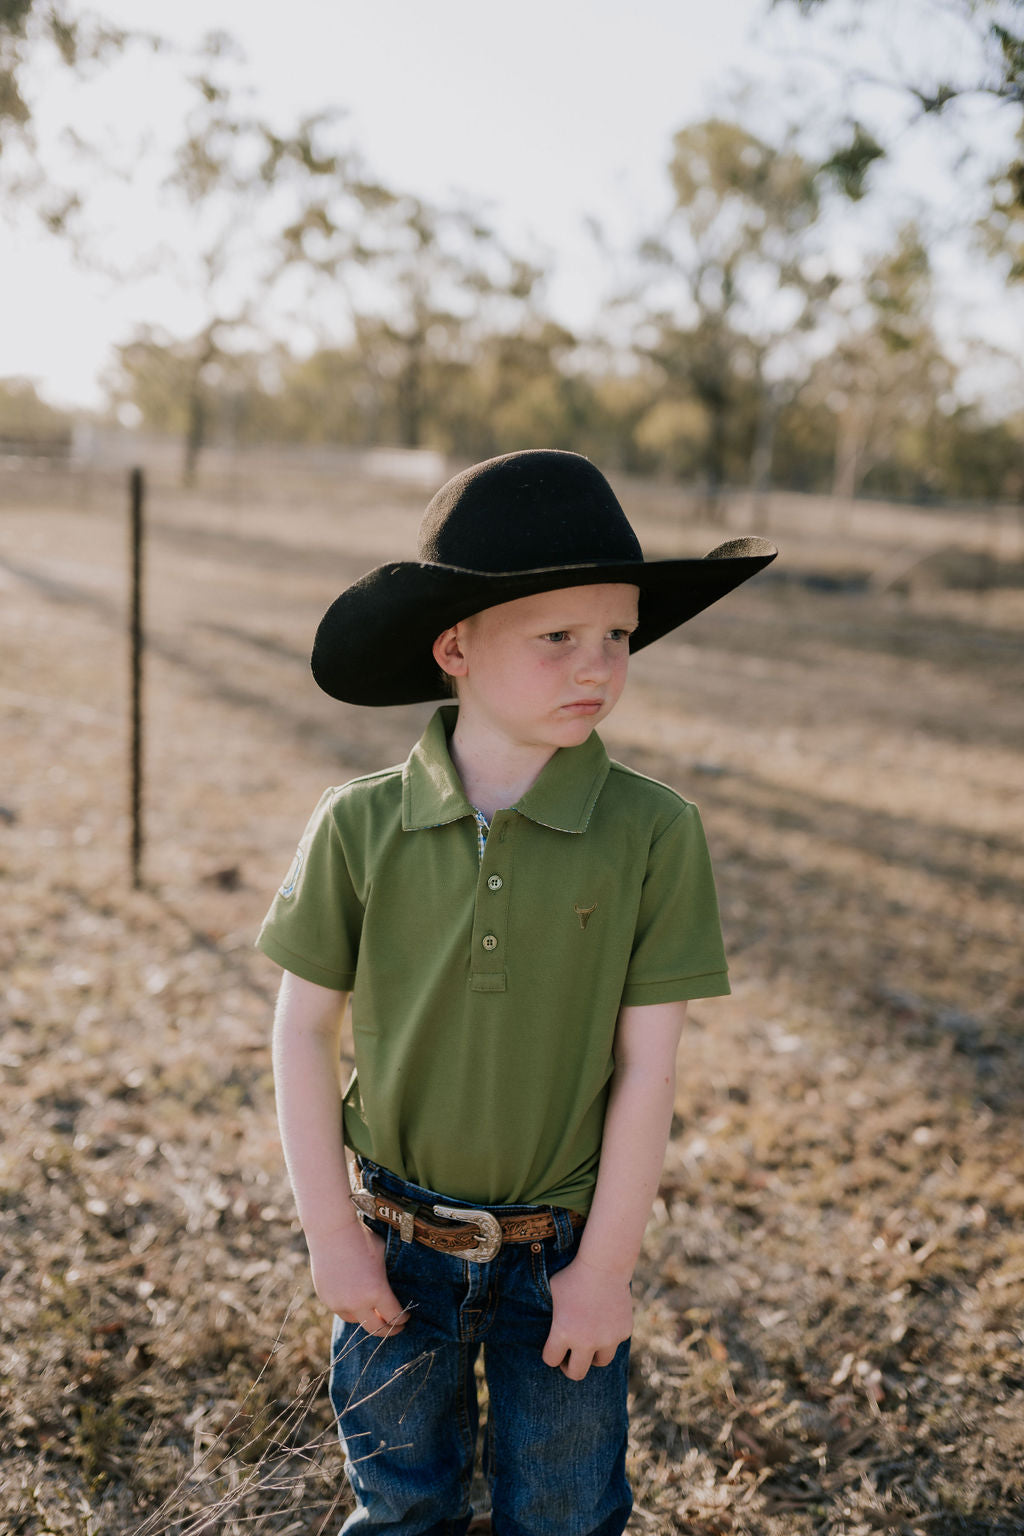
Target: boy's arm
[
  {"x": 592, "y": 1309},
  {"x": 346, "y": 1259}
]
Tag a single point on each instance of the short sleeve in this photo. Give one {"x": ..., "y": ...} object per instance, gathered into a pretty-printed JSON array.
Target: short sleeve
[
  {"x": 315, "y": 920},
  {"x": 677, "y": 949}
]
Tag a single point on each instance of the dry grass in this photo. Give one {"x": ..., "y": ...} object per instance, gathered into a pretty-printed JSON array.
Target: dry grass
[{"x": 829, "y": 1318}]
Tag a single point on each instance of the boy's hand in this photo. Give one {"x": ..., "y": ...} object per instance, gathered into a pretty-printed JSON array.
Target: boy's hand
[
  {"x": 349, "y": 1275},
  {"x": 592, "y": 1312}
]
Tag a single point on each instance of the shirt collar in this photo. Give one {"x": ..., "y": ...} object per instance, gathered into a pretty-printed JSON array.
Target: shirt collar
[{"x": 563, "y": 797}]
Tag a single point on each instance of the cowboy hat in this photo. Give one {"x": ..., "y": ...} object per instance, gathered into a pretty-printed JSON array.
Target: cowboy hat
[{"x": 523, "y": 523}]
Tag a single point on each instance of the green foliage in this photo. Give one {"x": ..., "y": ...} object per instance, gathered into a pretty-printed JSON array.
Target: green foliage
[
  {"x": 849, "y": 165},
  {"x": 874, "y": 414},
  {"x": 13, "y": 110},
  {"x": 433, "y": 332},
  {"x": 65, "y": 34},
  {"x": 987, "y": 19},
  {"x": 155, "y": 376},
  {"x": 718, "y": 163},
  {"x": 992, "y": 34},
  {"x": 742, "y": 227},
  {"x": 30, "y": 30},
  {"x": 28, "y": 27},
  {"x": 979, "y": 459},
  {"x": 1011, "y": 52},
  {"x": 24, "y": 417},
  {"x": 805, "y": 446},
  {"x": 1001, "y": 231},
  {"x": 14, "y": 16},
  {"x": 673, "y": 434}
]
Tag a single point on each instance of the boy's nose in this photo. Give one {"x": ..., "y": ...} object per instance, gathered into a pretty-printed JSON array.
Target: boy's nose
[{"x": 595, "y": 665}]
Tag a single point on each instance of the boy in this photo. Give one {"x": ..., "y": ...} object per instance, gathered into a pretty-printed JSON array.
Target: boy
[{"x": 520, "y": 924}]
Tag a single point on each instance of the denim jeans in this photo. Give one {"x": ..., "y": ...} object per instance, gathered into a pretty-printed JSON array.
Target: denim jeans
[{"x": 555, "y": 1449}]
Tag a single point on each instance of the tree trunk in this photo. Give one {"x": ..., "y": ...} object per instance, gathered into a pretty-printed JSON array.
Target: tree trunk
[
  {"x": 851, "y": 435},
  {"x": 769, "y": 408},
  {"x": 195, "y": 428},
  {"x": 195, "y": 435},
  {"x": 409, "y": 403},
  {"x": 714, "y": 458}
]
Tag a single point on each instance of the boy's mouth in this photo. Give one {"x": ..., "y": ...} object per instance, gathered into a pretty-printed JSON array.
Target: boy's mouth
[{"x": 583, "y": 706}]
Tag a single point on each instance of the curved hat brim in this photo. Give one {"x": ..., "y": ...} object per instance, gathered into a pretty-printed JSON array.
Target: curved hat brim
[{"x": 374, "y": 643}]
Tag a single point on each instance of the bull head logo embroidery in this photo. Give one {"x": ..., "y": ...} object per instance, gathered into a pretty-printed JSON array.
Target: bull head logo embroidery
[{"x": 584, "y": 913}]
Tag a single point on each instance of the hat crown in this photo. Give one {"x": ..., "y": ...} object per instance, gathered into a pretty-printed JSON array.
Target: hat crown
[{"x": 527, "y": 511}]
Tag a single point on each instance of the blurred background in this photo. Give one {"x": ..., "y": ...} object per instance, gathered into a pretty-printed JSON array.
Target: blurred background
[{"x": 760, "y": 245}]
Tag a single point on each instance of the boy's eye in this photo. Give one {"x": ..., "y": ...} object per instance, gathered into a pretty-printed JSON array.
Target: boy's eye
[
  {"x": 557, "y": 634},
  {"x": 620, "y": 634}
]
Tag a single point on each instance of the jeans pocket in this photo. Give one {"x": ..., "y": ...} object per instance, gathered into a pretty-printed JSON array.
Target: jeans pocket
[
  {"x": 404, "y": 1262},
  {"x": 546, "y": 1261}
]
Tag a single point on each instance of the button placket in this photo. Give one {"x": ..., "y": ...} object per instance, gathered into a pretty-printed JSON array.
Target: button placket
[{"x": 490, "y": 925}]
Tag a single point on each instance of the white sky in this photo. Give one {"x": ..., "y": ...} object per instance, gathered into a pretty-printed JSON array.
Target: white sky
[{"x": 544, "y": 112}]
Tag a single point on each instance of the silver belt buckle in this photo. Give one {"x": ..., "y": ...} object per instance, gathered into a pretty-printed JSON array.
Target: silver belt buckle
[
  {"x": 488, "y": 1239},
  {"x": 364, "y": 1201}
]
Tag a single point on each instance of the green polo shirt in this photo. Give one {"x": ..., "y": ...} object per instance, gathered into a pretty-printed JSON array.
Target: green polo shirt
[{"x": 485, "y": 992}]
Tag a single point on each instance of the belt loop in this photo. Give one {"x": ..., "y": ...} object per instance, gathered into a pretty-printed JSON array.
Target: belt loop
[
  {"x": 565, "y": 1233},
  {"x": 367, "y": 1172}
]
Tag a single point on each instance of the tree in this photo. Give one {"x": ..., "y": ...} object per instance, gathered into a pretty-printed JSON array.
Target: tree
[
  {"x": 422, "y": 285},
  {"x": 194, "y": 389},
  {"x": 48, "y": 33},
  {"x": 981, "y": 460},
  {"x": 985, "y": 59},
  {"x": 329, "y": 397},
  {"x": 291, "y": 234},
  {"x": 25, "y": 419},
  {"x": 257, "y": 195},
  {"x": 732, "y": 280},
  {"x": 1001, "y": 230},
  {"x": 514, "y": 387},
  {"x": 31, "y": 27},
  {"x": 245, "y": 184},
  {"x": 885, "y": 379}
]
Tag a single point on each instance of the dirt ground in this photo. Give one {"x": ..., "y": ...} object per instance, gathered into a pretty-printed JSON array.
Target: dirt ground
[{"x": 829, "y": 1317}]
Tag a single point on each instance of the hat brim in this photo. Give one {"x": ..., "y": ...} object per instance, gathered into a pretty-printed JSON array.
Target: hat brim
[{"x": 374, "y": 643}]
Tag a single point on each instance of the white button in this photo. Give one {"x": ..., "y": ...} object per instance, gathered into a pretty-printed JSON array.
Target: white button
[
  {"x": 489, "y": 941},
  {"x": 494, "y": 882}
]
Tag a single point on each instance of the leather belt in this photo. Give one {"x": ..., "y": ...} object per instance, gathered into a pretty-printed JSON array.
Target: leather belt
[{"x": 475, "y": 1235}]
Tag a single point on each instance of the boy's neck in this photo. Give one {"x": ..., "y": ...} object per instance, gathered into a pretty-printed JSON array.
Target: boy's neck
[{"x": 494, "y": 773}]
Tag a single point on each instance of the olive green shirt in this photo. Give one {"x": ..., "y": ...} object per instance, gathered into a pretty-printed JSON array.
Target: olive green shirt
[{"x": 485, "y": 991}]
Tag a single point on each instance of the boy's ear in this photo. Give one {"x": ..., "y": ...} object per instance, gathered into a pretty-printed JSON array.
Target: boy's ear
[{"x": 448, "y": 652}]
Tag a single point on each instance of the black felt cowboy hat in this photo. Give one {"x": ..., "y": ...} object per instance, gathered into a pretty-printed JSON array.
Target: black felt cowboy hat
[{"x": 523, "y": 523}]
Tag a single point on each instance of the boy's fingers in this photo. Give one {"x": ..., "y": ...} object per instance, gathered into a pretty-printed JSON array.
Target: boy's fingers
[
  {"x": 380, "y": 1326},
  {"x": 575, "y": 1366},
  {"x": 386, "y": 1317},
  {"x": 392, "y": 1314},
  {"x": 553, "y": 1352},
  {"x": 570, "y": 1362}
]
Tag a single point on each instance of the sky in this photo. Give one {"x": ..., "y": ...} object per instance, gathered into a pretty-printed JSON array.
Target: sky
[{"x": 544, "y": 114}]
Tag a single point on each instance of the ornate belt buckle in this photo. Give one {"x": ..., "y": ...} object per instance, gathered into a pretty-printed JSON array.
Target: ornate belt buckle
[
  {"x": 382, "y": 1208},
  {"x": 488, "y": 1239}
]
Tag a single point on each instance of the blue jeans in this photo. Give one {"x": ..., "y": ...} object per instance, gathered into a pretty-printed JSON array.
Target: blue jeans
[{"x": 555, "y": 1449}]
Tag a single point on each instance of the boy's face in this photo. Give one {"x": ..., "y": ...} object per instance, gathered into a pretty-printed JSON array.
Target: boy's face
[{"x": 542, "y": 671}]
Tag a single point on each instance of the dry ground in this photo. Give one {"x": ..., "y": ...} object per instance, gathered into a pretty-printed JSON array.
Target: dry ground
[{"x": 829, "y": 1317}]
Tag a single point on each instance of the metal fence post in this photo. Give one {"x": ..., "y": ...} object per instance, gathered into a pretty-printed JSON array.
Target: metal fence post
[{"x": 136, "y": 642}]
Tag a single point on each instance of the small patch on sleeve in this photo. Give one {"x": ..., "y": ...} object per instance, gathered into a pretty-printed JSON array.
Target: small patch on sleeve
[{"x": 291, "y": 879}]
